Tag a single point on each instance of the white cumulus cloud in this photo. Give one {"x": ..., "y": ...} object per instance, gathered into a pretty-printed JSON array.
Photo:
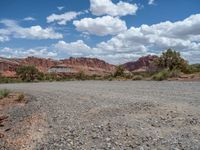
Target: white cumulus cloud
[
  {"x": 13, "y": 29},
  {"x": 78, "y": 48},
  {"x": 181, "y": 35},
  {"x": 29, "y": 19},
  {"x": 151, "y": 2},
  {"x": 125, "y": 44},
  {"x": 3, "y": 38},
  {"x": 22, "y": 53},
  {"x": 60, "y": 7},
  {"x": 135, "y": 42},
  {"x": 107, "y": 7},
  {"x": 101, "y": 26},
  {"x": 62, "y": 19}
]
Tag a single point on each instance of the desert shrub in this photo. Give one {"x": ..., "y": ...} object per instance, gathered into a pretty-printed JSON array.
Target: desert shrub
[
  {"x": 58, "y": 79},
  {"x": 162, "y": 75},
  {"x": 93, "y": 77},
  {"x": 50, "y": 77},
  {"x": 174, "y": 73},
  {"x": 5, "y": 80},
  {"x": 8, "y": 80},
  {"x": 27, "y": 73},
  {"x": 128, "y": 76},
  {"x": 119, "y": 71},
  {"x": 171, "y": 60},
  {"x": 144, "y": 74},
  {"x": 41, "y": 76},
  {"x": 137, "y": 77},
  {"x": 66, "y": 78},
  {"x": 20, "y": 97},
  {"x": 110, "y": 79},
  {"x": 195, "y": 68},
  {"x": 106, "y": 77},
  {"x": 4, "y": 93},
  {"x": 81, "y": 76}
]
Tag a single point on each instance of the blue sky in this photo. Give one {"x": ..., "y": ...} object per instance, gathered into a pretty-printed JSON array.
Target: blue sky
[{"x": 112, "y": 30}]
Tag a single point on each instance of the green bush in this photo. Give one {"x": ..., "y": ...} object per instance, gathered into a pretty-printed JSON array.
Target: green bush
[
  {"x": 163, "y": 75},
  {"x": 41, "y": 76},
  {"x": 195, "y": 68},
  {"x": 50, "y": 77},
  {"x": 174, "y": 73},
  {"x": 28, "y": 73},
  {"x": 128, "y": 76},
  {"x": 5, "y": 80},
  {"x": 8, "y": 80},
  {"x": 4, "y": 93},
  {"x": 119, "y": 71},
  {"x": 171, "y": 60}
]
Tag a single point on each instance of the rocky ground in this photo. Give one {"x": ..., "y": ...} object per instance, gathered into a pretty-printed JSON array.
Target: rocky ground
[{"x": 105, "y": 115}]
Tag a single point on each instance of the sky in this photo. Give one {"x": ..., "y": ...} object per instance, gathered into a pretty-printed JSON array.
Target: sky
[{"x": 116, "y": 31}]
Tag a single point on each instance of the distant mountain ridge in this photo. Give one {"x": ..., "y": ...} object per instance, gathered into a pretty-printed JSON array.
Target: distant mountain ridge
[{"x": 87, "y": 65}]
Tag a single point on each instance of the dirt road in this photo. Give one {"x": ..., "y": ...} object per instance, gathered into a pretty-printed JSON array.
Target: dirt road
[{"x": 105, "y": 115}]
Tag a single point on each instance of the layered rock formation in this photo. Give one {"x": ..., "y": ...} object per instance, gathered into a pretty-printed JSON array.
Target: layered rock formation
[
  {"x": 8, "y": 67},
  {"x": 89, "y": 66},
  {"x": 143, "y": 64},
  {"x": 42, "y": 64}
]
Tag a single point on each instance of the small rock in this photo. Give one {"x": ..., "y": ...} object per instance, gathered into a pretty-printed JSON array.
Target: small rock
[{"x": 108, "y": 139}]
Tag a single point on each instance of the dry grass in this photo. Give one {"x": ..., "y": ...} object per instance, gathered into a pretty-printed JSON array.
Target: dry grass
[
  {"x": 4, "y": 93},
  {"x": 20, "y": 97}
]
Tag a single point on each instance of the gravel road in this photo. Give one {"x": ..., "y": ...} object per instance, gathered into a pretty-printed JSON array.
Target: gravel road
[{"x": 105, "y": 115}]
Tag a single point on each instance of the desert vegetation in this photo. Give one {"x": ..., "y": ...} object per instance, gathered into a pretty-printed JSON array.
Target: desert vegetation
[
  {"x": 20, "y": 97},
  {"x": 4, "y": 93},
  {"x": 170, "y": 65},
  {"x": 28, "y": 73}
]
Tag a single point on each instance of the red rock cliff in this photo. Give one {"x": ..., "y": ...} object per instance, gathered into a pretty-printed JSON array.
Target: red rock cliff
[
  {"x": 142, "y": 64},
  {"x": 87, "y": 65}
]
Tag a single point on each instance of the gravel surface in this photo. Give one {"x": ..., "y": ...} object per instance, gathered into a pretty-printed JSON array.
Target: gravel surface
[{"x": 105, "y": 115}]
